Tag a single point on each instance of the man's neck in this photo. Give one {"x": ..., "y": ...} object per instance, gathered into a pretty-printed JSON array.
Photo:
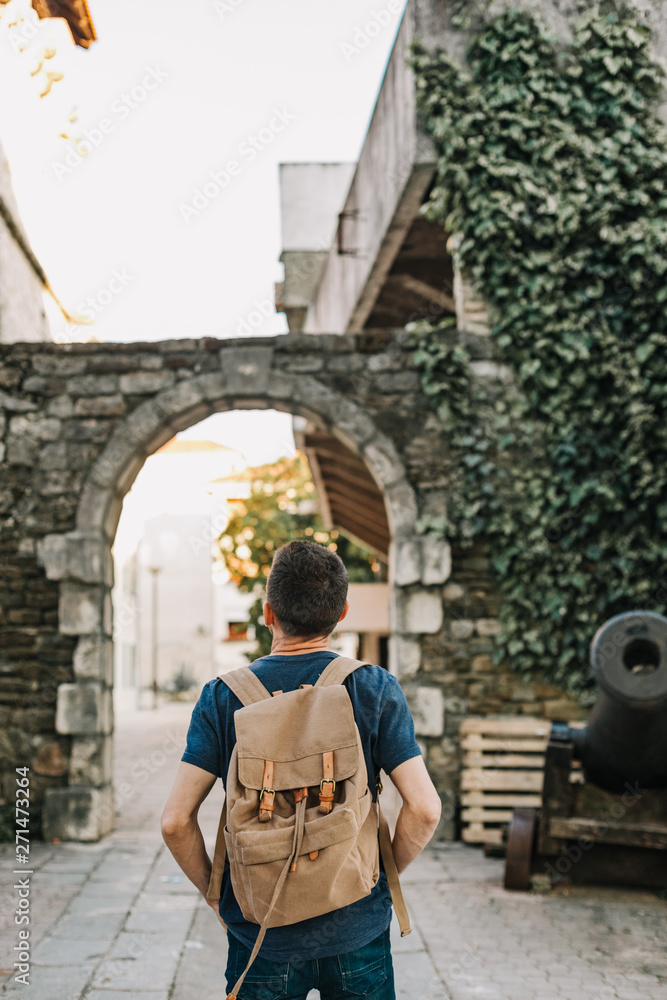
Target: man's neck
[{"x": 292, "y": 646}]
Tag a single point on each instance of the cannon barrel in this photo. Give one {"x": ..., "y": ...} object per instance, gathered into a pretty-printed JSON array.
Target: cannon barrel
[{"x": 624, "y": 744}]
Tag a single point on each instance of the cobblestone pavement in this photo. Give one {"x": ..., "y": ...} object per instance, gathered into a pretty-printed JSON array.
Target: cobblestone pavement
[{"x": 117, "y": 920}]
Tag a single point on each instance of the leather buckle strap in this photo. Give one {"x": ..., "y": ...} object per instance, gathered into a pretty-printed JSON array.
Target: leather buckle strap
[
  {"x": 267, "y": 796},
  {"x": 266, "y": 805},
  {"x": 327, "y": 798}
]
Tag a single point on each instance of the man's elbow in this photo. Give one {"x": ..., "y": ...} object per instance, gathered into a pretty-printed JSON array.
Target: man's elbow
[
  {"x": 174, "y": 825},
  {"x": 430, "y": 812}
]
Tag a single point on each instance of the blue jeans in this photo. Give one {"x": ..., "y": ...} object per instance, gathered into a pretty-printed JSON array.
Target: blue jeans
[{"x": 367, "y": 972}]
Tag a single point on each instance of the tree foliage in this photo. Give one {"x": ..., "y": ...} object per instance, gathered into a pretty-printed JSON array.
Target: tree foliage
[
  {"x": 281, "y": 507},
  {"x": 553, "y": 176}
]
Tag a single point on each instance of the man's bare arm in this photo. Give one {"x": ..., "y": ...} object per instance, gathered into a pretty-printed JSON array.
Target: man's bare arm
[
  {"x": 420, "y": 811},
  {"x": 180, "y": 829}
]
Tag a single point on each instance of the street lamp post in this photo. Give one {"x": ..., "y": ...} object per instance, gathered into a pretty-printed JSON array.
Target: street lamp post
[{"x": 154, "y": 570}]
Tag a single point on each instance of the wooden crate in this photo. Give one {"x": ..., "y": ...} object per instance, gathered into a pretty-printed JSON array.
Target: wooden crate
[{"x": 503, "y": 769}]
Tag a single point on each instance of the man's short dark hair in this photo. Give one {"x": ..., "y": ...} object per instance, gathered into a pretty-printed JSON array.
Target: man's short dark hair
[{"x": 307, "y": 588}]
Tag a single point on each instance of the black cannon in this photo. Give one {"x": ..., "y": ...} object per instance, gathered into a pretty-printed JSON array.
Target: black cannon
[
  {"x": 625, "y": 740},
  {"x": 604, "y": 799}
]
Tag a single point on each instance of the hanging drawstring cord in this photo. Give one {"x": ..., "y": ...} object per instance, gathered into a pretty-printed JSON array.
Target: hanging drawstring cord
[{"x": 297, "y": 841}]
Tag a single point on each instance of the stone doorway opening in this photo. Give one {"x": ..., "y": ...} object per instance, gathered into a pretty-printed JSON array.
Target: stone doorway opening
[{"x": 196, "y": 536}]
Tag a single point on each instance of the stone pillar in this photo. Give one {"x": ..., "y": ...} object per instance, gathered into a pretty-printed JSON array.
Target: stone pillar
[
  {"x": 471, "y": 310},
  {"x": 420, "y": 566},
  {"x": 84, "y": 810}
]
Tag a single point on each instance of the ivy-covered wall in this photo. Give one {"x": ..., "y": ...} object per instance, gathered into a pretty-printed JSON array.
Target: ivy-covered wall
[{"x": 552, "y": 174}]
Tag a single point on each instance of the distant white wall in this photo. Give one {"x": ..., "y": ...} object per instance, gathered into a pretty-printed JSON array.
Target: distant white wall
[
  {"x": 369, "y": 608},
  {"x": 311, "y": 196},
  {"x": 184, "y": 600},
  {"x": 230, "y": 605},
  {"x": 22, "y": 315}
]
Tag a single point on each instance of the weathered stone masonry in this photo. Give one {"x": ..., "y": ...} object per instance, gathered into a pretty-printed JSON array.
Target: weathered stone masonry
[{"x": 77, "y": 422}]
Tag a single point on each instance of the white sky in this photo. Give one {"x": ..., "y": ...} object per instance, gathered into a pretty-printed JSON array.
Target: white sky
[{"x": 227, "y": 68}]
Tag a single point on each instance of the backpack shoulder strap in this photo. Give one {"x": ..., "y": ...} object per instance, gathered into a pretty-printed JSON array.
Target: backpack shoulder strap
[
  {"x": 391, "y": 872},
  {"x": 246, "y": 685},
  {"x": 339, "y": 668}
]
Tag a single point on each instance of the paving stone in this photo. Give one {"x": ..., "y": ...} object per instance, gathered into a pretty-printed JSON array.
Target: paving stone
[
  {"x": 52, "y": 983},
  {"x": 201, "y": 972},
  {"x": 121, "y": 875},
  {"x": 94, "y": 924},
  {"x": 124, "y": 887},
  {"x": 153, "y": 965},
  {"x": 68, "y": 879},
  {"x": 138, "y": 945},
  {"x": 166, "y": 921},
  {"x": 71, "y": 951},
  {"x": 415, "y": 976},
  {"x": 411, "y": 943},
  {"x": 163, "y": 902}
]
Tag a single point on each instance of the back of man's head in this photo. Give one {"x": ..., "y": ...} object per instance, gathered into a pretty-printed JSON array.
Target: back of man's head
[{"x": 307, "y": 589}]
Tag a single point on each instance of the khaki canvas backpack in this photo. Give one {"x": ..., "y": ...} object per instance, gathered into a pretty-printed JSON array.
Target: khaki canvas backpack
[{"x": 299, "y": 824}]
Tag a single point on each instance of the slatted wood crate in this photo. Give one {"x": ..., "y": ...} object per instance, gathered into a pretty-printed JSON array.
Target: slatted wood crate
[{"x": 503, "y": 769}]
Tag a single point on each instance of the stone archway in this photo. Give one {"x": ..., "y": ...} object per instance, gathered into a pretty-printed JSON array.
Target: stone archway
[{"x": 128, "y": 401}]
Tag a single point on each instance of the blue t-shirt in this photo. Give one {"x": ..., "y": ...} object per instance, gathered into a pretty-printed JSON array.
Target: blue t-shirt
[{"x": 388, "y": 739}]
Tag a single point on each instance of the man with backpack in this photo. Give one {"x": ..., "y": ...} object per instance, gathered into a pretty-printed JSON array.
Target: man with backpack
[{"x": 299, "y": 740}]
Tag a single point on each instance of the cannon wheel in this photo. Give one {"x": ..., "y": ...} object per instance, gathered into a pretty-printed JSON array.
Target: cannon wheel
[{"x": 520, "y": 841}]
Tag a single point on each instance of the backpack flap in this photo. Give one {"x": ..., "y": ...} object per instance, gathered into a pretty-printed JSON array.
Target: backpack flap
[{"x": 308, "y": 736}]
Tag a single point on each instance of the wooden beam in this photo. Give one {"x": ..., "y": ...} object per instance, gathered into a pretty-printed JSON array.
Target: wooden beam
[
  {"x": 476, "y": 833},
  {"x": 474, "y": 759},
  {"x": 474, "y": 742},
  {"x": 320, "y": 488},
  {"x": 428, "y": 292},
  {"x": 363, "y": 533},
  {"x": 348, "y": 461},
  {"x": 351, "y": 484},
  {"x": 609, "y": 832},
  {"x": 508, "y": 726},
  {"x": 369, "y": 535},
  {"x": 514, "y": 800},
  {"x": 479, "y": 815},
  {"x": 478, "y": 779},
  {"x": 407, "y": 208},
  {"x": 330, "y": 445},
  {"x": 375, "y": 518},
  {"x": 328, "y": 452},
  {"x": 380, "y": 550}
]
